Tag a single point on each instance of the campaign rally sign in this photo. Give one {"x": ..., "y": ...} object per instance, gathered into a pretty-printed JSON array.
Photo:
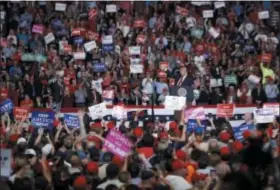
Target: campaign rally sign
[
  {"x": 78, "y": 40},
  {"x": 6, "y": 106},
  {"x": 174, "y": 102},
  {"x": 20, "y": 113},
  {"x": 274, "y": 106},
  {"x": 108, "y": 47},
  {"x": 264, "y": 115},
  {"x": 225, "y": 110},
  {"x": 119, "y": 112},
  {"x": 42, "y": 119},
  {"x": 49, "y": 38},
  {"x": 195, "y": 113},
  {"x": 38, "y": 29},
  {"x": 6, "y": 162},
  {"x": 139, "y": 24},
  {"x": 117, "y": 143},
  {"x": 97, "y": 111},
  {"x": 238, "y": 131},
  {"x": 99, "y": 67},
  {"x": 33, "y": 57},
  {"x": 107, "y": 39},
  {"x": 136, "y": 68},
  {"x": 72, "y": 121},
  {"x": 192, "y": 125},
  {"x": 108, "y": 94}
]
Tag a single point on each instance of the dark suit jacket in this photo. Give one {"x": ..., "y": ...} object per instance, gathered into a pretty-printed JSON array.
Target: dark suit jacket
[
  {"x": 258, "y": 96},
  {"x": 56, "y": 92},
  {"x": 188, "y": 81}
]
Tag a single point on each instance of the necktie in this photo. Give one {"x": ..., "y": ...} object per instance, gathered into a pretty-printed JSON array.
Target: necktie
[{"x": 179, "y": 83}]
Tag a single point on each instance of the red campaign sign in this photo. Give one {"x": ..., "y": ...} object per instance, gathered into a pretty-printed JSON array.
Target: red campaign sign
[
  {"x": 20, "y": 113},
  {"x": 266, "y": 58},
  {"x": 225, "y": 110},
  {"x": 67, "y": 48},
  {"x": 163, "y": 65},
  {"x": 140, "y": 39},
  {"x": 139, "y": 24},
  {"x": 76, "y": 32},
  {"x": 92, "y": 13},
  {"x": 182, "y": 11}
]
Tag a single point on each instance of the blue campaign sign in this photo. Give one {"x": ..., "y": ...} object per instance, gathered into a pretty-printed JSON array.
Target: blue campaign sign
[
  {"x": 99, "y": 67},
  {"x": 192, "y": 125},
  {"x": 42, "y": 119},
  {"x": 78, "y": 40},
  {"x": 6, "y": 106},
  {"x": 238, "y": 131},
  {"x": 72, "y": 121},
  {"x": 108, "y": 47}
]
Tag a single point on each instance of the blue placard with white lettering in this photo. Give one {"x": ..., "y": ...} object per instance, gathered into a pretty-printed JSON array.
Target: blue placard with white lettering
[
  {"x": 72, "y": 121},
  {"x": 108, "y": 47},
  {"x": 238, "y": 131},
  {"x": 192, "y": 125},
  {"x": 42, "y": 119},
  {"x": 78, "y": 40},
  {"x": 6, "y": 106},
  {"x": 99, "y": 67}
]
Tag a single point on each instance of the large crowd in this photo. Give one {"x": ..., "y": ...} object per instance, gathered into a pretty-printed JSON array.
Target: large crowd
[{"x": 78, "y": 54}]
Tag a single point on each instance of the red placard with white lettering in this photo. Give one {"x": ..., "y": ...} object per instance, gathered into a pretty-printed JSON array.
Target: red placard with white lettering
[
  {"x": 225, "y": 110},
  {"x": 139, "y": 24},
  {"x": 20, "y": 113}
]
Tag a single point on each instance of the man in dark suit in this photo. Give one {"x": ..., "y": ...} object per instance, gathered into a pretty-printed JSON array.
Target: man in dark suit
[
  {"x": 185, "y": 79},
  {"x": 258, "y": 95}
]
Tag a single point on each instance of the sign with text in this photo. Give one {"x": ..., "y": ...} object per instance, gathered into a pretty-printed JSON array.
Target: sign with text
[
  {"x": 117, "y": 143},
  {"x": 139, "y": 24},
  {"x": 192, "y": 124},
  {"x": 225, "y": 110},
  {"x": 108, "y": 94},
  {"x": 274, "y": 106},
  {"x": 119, "y": 112},
  {"x": 33, "y": 57},
  {"x": 42, "y": 119},
  {"x": 6, "y": 162},
  {"x": 111, "y": 8},
  {"x": 72, "y": 121},
  {"x": 49, "y": 38},
  {"x": 238, "y": 131},
  {"x": 90, "y": 45},
  {"x": 195, "y": 113},
  {"x": 136, "y": 68},
  {"x": 6, "y": 106},
  {"x": 107, "y": 39},
  {"x": 20, "y": 113},
  {"x": 60, "y": 7},
  {"x": 174, "y": 102},
  {"x": 208, "y": 14},
  {"x": 39, "y": 29},
  {"x": 79, "y": 55},
  {"x": 108, "y": 47},
  {"x": 97, "y": 111},
  {"x": 99, "y": 67},
  {"x": 264, "y": 115},
  {"x": 134, "y": 50}
]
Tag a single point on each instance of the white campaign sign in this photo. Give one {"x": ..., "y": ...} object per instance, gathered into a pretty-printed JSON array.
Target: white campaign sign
[
  {"x": 6, "y": 162},
  {"x": 265, "y": 115},
  {"x": 97, "y": 111},
  {"x": 136, "y": 68},
  {"x": 134, "y": 50},
  {"x": 125, "y": 30},
  {"x": 174, "y": 102},
  {"x": 60, "y": 6},
  {"x": 79, "y": 55},
  {"x": 49, "y": 38},
  {"x": 254, "y": 79},
  {"x": 119, "y": 112},
  {"x": 274, "y": 106},
  {"x": 107, "y": 39},
  {"x": 208, "y": 14},
  {"x": 90, "y": 45},
  {"x": 111, "y": 8},
  {"x": 214, "y": 32},
  {"x": 263, "y": 15},
  {"x": 135, "y": 60},
  {"x": 219, "y": 4}
]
